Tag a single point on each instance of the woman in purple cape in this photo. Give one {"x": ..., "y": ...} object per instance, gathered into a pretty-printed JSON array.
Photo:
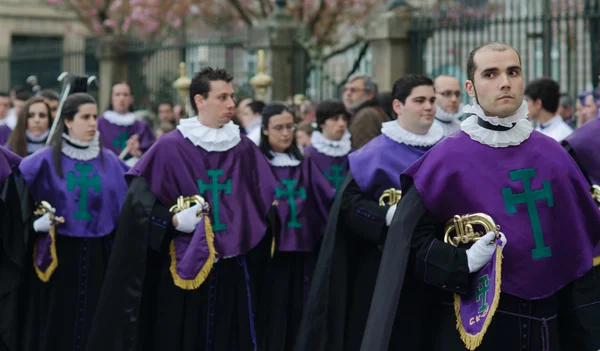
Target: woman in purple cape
[
  {"x": 65, "y": 261},
  {"x": 32, "y": 129},
  {"x": 303, "y": 198}
]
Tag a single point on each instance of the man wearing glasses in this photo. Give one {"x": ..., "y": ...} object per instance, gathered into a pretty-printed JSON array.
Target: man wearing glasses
[
  {"x": 449, "y": 107},
  {"x": 360, "y": 99}
]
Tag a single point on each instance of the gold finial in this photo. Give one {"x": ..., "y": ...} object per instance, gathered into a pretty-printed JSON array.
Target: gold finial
[
  {"x": 261, "y": 81},
  {"x": 182, "y": 84}
]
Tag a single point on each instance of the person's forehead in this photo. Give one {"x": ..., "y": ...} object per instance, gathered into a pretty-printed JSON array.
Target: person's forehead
[
  {"x": 486, "y": 59},
  {"x": 282, "y": 118},
  {"x": 357, "y": 81},
  {"x": 422, "y": 90},
  {"x": 121, "y": 88},
  {"x": 445, "y": 82}
]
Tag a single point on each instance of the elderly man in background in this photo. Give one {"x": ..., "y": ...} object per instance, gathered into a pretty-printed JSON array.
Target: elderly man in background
[{"x": 360, "y": 99}]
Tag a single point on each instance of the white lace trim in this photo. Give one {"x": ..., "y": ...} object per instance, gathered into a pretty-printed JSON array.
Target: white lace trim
[
  {"x": 448, "y": 127},
  {"x": 210, "y": 139},
  {"x": 118, "y": 119},
  {"x": 495, "y": 138},
  {"x": 400, "y": 135},
  {"x": 37, "y": 139},
  {"x": 333, "y": 148},
  {"x": 281, "y": 159},
  {"x": 91, "y": 151},
  {"x": 442, "y": 115},
  {"x": 521, "y": 113}
]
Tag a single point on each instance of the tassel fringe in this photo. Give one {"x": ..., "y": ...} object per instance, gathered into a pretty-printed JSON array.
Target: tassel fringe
[
  {"x": 473, "y": 341},
  {"x": 192, "y": 284},
  {"x": 45, "y": 275}
]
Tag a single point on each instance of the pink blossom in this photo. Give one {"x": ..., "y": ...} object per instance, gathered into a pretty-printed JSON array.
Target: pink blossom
[
  {"x": 126, "y": 24},
  {"x": 110, "y": 23},
  {"x": 176, "y": 23}
]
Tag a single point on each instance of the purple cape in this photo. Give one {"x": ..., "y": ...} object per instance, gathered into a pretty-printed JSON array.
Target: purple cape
[
  {"x": 5, "y": 132},
  {"x": 586, "y": 143},
  {"x": 534, "y": 192},
  {"x": 9, "y": 162},
  {"x": 376, "y": 166},
  {"x": 89, "y": 197},
  {"x": 114, "y": 137},
  {"x": 302, "y": 222},
  {"x": 334, "y": 168},
  {"x": 237, "y": 183}
]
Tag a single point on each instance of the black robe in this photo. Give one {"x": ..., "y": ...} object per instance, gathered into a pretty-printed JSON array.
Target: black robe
[
  {"x": 344, "y": 278},
  {"x": 140, "y": 307},
  {"x": 57, "y": 315},
  {"x": 12, "y": 258},
  {"x": 567, "y": 320}
]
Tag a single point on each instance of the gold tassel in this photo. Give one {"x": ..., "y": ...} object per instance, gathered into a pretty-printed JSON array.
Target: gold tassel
[
  {"x": 596, "y": 261},
  {"x": 45, "y": 276},
  {"x": 473, "y": 341},
  {"x": 273, "y": 247},
  {"x": 192, "y": 284}
]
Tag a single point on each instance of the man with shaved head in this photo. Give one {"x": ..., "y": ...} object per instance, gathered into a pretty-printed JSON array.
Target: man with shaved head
[
  {"x": 449, "y": 107},
  {"x": 528, "y": 283}
]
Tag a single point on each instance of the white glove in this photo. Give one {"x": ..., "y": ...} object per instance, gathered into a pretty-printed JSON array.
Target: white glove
[
  {"x": 390, "y": 214},
  {"x": 481, "y": 252},
  {"x": 42, "y": 224},
  {"x": 187, "y": 219}
]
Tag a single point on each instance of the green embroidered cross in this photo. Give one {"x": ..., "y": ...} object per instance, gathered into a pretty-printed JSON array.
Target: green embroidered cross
[
  {"x": 483, "y": 286},
  {"x": 215, "y": 187},
  {"x": 291, "y": 194},
  {"x": 335, "y": 177},
  {"x": 84, "y": 183},
  {"x": 530, "y": 197},
  {"x": 121, "y": 141}
]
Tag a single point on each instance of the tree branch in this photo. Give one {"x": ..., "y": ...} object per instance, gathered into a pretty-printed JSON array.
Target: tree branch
[
  {"x": 241, "y": 12},
  {"x": 313, "y": 22},
  {"x": 342, "y": 49},
  {"x": 263, "y": 8}
]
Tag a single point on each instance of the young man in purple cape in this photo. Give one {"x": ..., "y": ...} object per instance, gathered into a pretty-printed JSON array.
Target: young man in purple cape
[
  {"x": 178, "y": 281},
  {"x": 344, "y": 278},
  {"x": 12, "y": 251},
  {"x": 549, "y": 296},
  {"x": 119, "y": 128},
  {"x": 330, "y": 143}
]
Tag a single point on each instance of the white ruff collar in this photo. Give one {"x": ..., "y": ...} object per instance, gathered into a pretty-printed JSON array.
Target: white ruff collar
[
  {"x": 333, "y": 148},
  {"x": 494, "y": 138},
  {"x": 210, "y": 139},
  {"x": 444, "y": 116},
  {"x": 281, "y": 159},
  {"x": 81, "y": 150},
  {"x": 398, "y": 134},
  {"x": 118, "y": 119}
]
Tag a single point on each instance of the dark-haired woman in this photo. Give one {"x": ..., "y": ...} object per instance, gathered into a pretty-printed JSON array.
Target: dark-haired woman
[
  {"x": 303, "y": 198},
  {"x": 85, "y": 185},
  {"x": 32, "y": 129}
]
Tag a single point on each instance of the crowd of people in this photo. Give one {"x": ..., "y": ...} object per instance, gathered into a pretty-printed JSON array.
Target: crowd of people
[{"x": 299, "y": 226}]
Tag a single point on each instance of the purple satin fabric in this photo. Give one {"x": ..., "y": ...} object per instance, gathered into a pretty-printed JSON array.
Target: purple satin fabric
[
  {"x": 113, "y": 136},
  {"x": 462, "y": 176},
  {"x": 175, "y": 167},
  {"x": 304, "y": 232}
]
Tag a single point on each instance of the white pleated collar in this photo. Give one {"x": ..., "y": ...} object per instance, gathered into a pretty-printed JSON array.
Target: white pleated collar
[
  {"x": 282, "y": 159},
  {"x": 118, "y": 119},
  {"x": 81, "y": 150},
  {"x": 210, "y": 139},
  {"x": 333, "y": 148},
  {"x": 515, "y": 136},
  {"x": 448, "y": 117},
  {"x": 393, "y": 131}
]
